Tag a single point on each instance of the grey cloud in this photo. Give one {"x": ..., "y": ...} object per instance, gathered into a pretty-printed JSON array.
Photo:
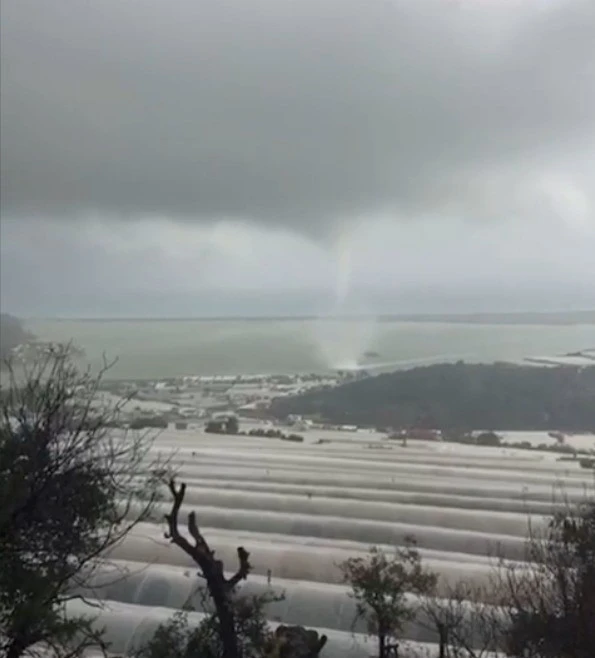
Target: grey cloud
[
  {"x": 100, "y": 268},
  {"x": 287, "y": 112},
  {"x": 46, "y": 264}
]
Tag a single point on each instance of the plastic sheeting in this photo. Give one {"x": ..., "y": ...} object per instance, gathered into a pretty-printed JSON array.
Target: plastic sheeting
[
  {"x": 292, "y": 559},
  {"x": 130, "y": 627},
  {"x": 304, "y": 603}
]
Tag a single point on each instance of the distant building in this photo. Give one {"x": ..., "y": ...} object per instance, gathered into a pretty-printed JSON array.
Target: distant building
[
  {"x": 258, "y": 409},
  {"x": 187, "y": 412},
  {"x": 424, "y": 435}
]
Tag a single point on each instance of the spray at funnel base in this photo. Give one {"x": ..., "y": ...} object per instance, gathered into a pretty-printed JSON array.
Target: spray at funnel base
[{"x": 343, "y": 343}]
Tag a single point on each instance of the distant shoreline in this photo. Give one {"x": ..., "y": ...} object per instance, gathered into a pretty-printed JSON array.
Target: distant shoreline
[{"x": 511, "y": 318}]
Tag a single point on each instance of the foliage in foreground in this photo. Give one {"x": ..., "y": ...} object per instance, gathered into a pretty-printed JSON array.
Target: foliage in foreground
[
  {"x": 236, "y": 628},
  {"x": 381, "y": 584},
  {"x": 177, "y": 638},
  {"x": 70, "y": 490},
  {"x": 550, "y": 608},
  {"x": 543, "y": 607}
]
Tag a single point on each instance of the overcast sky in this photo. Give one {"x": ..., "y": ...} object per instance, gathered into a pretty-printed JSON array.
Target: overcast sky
[{"x": 177, "y": 157}]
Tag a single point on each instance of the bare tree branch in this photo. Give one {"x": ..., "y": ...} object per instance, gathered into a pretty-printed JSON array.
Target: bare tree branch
[
  {"x": 219, "y": 587},
  {"x": 243, "y": 570}
]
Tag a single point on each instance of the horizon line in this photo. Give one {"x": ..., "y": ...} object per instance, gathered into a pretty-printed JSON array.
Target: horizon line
[{"x": 470, "y": 316}]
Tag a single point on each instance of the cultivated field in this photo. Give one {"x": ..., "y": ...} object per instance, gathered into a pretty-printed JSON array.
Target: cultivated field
[{"x": 301, "y": 508}]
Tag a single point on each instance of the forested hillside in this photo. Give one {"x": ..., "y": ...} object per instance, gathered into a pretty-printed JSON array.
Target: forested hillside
[
  {"x": 458, "y": 397},
  {"x": 12, "y": 333}
]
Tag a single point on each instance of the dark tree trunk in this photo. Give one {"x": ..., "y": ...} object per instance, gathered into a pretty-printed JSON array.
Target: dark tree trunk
[
  {"x": 225, "y": 615},
  {"x": 443, "y": 635},
  {"x": 16, "y": 649},
  {"x": 220, "y": 588}
]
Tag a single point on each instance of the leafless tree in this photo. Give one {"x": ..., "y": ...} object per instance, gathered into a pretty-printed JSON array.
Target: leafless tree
[
  {"x": 548, "y": 603},
  {"x": 463, "y": 622},
  {"x": 220, "y": 587},
  {"x": 239, "y": 622}
]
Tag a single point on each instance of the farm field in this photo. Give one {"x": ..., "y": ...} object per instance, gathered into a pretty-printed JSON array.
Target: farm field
[{"x": 302, "y": 508}]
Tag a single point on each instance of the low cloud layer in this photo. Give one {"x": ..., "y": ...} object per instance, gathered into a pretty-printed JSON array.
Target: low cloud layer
[
  {"x": 159, "y": 157},
  {"x": 300, "y": 115},
  {"x": 163, "y": 268}
]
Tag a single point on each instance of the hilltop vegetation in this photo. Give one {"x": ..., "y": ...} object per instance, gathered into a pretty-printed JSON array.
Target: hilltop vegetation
[
  {"x": 12, "y": 334},
  {"x": 458, "y": 397}
]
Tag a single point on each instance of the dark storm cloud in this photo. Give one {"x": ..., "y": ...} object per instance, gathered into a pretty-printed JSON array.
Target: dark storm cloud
[{"x": 286, "y": 112}]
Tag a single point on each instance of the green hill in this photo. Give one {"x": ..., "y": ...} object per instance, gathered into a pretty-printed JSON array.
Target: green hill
[
  {"x": 458, "y": 397},
  {"x": 12, "y": 334}
]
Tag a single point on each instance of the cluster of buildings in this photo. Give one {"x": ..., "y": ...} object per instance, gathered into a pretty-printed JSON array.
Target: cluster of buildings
[{"x": 201, "y": 397}]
